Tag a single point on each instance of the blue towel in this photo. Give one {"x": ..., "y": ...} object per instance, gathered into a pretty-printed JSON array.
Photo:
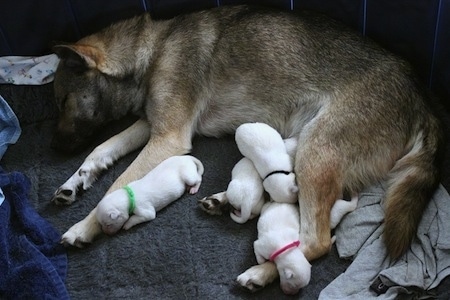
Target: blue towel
[{"x": 33, "y": 265}]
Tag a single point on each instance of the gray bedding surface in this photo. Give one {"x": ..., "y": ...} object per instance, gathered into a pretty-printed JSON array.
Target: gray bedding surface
[{"x": 182, "y": 254}]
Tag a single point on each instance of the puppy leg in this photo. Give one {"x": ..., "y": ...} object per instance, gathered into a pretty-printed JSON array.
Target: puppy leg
[
  {"x": 144, "y": 216},
  {"x": 341, "y": 208},
  {"x": 257, "y": 277},
  {"x": 192, "y": 179},
  {"x": 259, "y": 257},
  {"x": 214, "y": 204},
  {"x": 101, "y": 158}
]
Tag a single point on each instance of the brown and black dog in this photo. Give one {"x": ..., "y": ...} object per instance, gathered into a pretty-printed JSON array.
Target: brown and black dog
[{"x": 357, "y": 110}]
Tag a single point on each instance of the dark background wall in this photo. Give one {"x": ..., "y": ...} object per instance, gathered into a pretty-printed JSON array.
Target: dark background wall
[{"x": 415, "y": 29}]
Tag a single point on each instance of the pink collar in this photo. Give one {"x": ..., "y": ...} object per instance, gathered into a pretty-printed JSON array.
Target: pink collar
[{"x": 283, "y": 249}]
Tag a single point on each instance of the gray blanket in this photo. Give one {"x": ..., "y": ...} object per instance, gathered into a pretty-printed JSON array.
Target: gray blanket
[
  {"x": 372, "y": 274},
  {"x": 182, "y": 254}
]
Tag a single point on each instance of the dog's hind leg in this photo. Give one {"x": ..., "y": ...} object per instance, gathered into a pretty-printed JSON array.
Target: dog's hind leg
[
  {"x": 101, "y": 158},
  {"x": 319, "y": 189},
  {"x": 319, "y": 173}
]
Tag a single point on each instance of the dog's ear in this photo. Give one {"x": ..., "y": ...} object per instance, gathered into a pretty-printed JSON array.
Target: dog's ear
[{"x": 80, "y": 56}]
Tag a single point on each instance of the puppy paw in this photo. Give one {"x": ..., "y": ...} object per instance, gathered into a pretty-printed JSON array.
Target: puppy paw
[
  {"x": 64, "y": 196},
  {"x": 212, "y": 204},
  {"x": 257, "y": 277},
  {"x": 193, "y": 189}
]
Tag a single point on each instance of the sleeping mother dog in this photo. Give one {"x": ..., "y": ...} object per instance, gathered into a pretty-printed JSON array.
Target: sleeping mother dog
[{"x": 357, "y": 110}]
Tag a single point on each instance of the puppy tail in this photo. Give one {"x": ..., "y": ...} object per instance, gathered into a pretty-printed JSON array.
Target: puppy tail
[{"x": 411, "y": 184}]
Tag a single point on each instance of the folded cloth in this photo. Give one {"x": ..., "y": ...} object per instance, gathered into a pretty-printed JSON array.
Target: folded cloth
[
  {"x": 27, "y": 69},
  {"x": 372, "y": 274},
  {"x": 9, "y": 131},
  {"x": 33, "y": 264},
  {"x": 9, "y": 126}
]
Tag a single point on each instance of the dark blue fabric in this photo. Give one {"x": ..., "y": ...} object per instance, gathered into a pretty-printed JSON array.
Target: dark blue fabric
[{"x": 33, "y": 265}]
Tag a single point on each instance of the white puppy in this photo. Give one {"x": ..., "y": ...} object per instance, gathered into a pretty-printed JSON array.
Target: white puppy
[
  {"x": 278, "y": 232},
  {"x": 245, "y": 192},
  {"x": 264, "y": 146},
  {"x": 139, "y": 201},
  {"x": 278, "y": 228}
]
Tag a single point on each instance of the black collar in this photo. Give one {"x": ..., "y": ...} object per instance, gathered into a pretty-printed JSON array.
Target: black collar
[{"x": 277, "y": 172}]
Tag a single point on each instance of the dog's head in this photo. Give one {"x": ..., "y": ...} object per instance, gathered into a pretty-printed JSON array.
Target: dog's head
[
  {"x": 90, "y": 91},
  {"x": 110, "y": 217},
  {"x": 281, "y": 188}
]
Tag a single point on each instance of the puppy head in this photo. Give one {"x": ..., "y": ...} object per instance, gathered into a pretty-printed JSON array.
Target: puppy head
[
  {"x": 295, "y": 272},
  {"x": 110, "y": 217},
  {"x": 282, "y": 188}
]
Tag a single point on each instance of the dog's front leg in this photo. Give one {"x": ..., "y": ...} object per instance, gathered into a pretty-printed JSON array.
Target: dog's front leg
[
  {"x": 80, "y": 234},
  {"x": 101, "y": 158},
  {"x": 257, "y": 277},
  {"x": 157, "y": 149}
]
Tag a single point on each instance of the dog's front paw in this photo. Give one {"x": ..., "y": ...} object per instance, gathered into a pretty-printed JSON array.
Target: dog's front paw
[
  {"x": 64, "y": 196},
  {"x": 70, "y": 238},
  {"x": 246, "y": 281},
  {"x": 257, "y": 277},
  {"x": 214, "y": 204},
  {"x": 82, "y": 233}
]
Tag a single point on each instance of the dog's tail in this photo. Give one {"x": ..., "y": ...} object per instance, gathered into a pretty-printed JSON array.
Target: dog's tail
[{"x": 411, "y": 184}]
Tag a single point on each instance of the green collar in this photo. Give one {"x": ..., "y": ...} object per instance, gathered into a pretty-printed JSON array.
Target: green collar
[{"x": 131, "y": 199}]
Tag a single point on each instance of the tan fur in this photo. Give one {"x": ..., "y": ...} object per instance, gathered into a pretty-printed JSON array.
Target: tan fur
[{"x": 358, "y": 111}]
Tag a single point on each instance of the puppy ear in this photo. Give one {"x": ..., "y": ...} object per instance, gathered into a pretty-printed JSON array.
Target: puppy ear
[
  {"x": 288, "y": 273},
  {"x": 114, "y": 215}
]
